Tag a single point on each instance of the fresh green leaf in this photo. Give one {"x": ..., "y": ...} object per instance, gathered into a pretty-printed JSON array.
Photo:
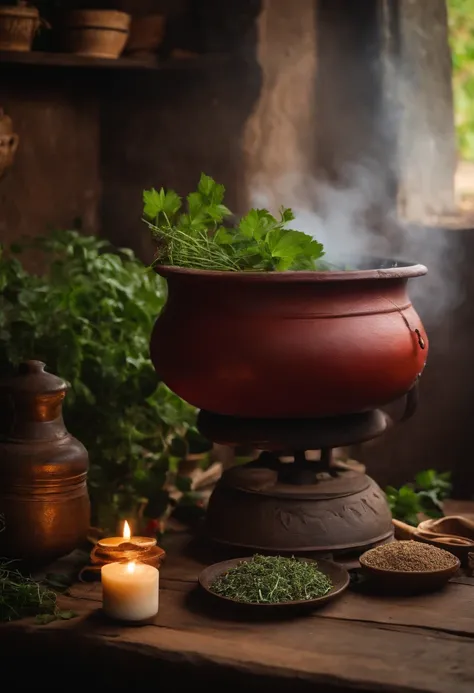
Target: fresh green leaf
[
  {"x": 430, "y": 480},
  {"x": 256, "y": 224},
  {"x": 152, "y": 203},
  {"x": 156, "y": 203},
  {"x": 425, "y": 479},
  {"x": 196, "y": 205},
  {"x": 210, "y": 190},
  {"x": 223, "y": 236},
  {"x": 424, "y": 497},
  {"x": 286, "y": 215}
]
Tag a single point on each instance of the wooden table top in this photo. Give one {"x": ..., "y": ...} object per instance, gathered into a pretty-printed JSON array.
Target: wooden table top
[{"x": 359, "y": 642}]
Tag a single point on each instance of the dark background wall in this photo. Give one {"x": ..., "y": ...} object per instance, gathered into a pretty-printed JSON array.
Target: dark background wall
[
  {"x": 439, "y": 434},
  {"x": 92, "y": 139},
  {"x": 56, "y": 176}
]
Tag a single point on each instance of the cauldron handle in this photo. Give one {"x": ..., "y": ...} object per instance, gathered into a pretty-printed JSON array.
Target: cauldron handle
[{"x": 411, "y": 401}]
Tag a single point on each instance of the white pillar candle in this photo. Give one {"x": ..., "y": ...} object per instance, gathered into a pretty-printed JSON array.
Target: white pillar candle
[{"x": 130, "y": 591}]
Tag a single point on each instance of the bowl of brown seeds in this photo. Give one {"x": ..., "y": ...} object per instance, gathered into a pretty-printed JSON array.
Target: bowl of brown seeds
[{"x": 409, "y": 567}]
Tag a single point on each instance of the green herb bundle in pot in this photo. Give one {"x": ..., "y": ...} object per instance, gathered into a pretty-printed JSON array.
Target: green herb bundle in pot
[
  {"x": 89, "y": 319},
  {"x": 195, "y": 236}
]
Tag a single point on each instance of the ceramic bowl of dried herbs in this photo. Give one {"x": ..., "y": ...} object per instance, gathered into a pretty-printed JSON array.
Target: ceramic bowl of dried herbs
[
  {"x": 408, "y": 567},
  {"x": 266, "y": 582}
]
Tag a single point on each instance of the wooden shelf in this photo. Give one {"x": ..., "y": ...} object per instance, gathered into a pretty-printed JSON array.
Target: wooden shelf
[{"x": 69, "y": 60}]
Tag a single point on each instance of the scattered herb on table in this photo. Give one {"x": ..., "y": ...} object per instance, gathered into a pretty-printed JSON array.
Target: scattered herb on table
[
  {"x": 272, "y": 580},
  {"x": 195, "y": 236},
  {"x": 22, "y": 596},
  {"x": 423, "y": 497}
]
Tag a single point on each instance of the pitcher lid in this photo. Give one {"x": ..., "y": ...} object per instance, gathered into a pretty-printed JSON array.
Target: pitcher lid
[{"x": 31, "y": 378}]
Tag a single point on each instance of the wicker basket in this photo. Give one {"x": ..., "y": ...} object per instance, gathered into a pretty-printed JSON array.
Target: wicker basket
[
  {"x": 18, "y": 26},
  {"x": 97, "y": 33}
]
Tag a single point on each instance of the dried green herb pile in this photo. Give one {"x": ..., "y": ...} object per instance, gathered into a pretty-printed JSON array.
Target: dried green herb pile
[
  {"x": 22, "y": 596},
  {"x": 411, "y": 556},
  {"x": 272, "y": 580}
]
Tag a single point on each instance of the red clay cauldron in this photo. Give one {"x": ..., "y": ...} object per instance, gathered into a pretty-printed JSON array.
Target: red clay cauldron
[{"x": 290, "y": 344}]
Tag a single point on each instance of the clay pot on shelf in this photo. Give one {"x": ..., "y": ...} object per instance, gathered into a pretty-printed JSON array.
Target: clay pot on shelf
[
  {"x": 146, "y": 35},
  {"x": 44, "y": 504},
  {"x": 8, "y": 142},
  {"x": 97, "y": 33},
  {"x": 290, "y": 344},
  {"x": 18, "y": 26}
]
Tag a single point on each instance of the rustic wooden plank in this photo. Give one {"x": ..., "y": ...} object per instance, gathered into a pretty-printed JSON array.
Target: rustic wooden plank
[
  {"x": 325, "y": 651},
  {"x": 450, "y": 611},
  {"x": 69, "y": 60},
  {"x": 360, "y": 642},
  {"x": 458, "y": 507},
  {"x": 364, "y": 643}
]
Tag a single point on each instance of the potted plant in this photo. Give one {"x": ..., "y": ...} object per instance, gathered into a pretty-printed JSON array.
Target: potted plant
[
  {"x": 89, "y": 317},
  {"x": 277, "y": 330},
  {"x": 19, "y": 23},
  {"x": 96, "y": 33}
]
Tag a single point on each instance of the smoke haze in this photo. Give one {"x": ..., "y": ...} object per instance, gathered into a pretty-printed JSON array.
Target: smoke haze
[
  {"x": 357, "y": 216},
  {"x": 338, "y": 217}
]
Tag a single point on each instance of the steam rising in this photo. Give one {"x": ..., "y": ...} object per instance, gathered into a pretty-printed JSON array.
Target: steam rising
[
  {"x": 356, "y": 216},
  {"x": 340, "y": 217}
]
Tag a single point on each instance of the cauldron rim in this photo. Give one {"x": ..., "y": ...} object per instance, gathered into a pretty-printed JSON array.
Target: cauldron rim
[{"x": 383, "y": 269}]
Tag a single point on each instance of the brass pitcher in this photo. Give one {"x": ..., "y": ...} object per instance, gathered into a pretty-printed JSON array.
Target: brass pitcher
[{"x": 44, "y": 504}]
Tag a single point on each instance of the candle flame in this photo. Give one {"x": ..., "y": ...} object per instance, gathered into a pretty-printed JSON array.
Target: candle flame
[
  {"x": 131, "y": 567},
  {"x": 126, "y": 530}
]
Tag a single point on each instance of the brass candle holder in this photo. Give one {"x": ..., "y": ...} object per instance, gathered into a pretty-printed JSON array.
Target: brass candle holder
[{"x": 123, "y": 550}]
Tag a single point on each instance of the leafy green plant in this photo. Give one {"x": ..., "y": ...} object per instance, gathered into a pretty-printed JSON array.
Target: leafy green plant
[
  {"x": 461, "y": 25},
  {"x": 196, "y": 237},
  {"x": 89, "y": 318},
  {"x": 423, "y": 497}
]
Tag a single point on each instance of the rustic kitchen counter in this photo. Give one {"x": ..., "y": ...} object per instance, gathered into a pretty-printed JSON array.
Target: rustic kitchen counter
[{"x": 359, "y": 642}]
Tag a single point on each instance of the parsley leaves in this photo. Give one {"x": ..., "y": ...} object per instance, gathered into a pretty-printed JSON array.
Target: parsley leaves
[{"x": 193, "y": 235}]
